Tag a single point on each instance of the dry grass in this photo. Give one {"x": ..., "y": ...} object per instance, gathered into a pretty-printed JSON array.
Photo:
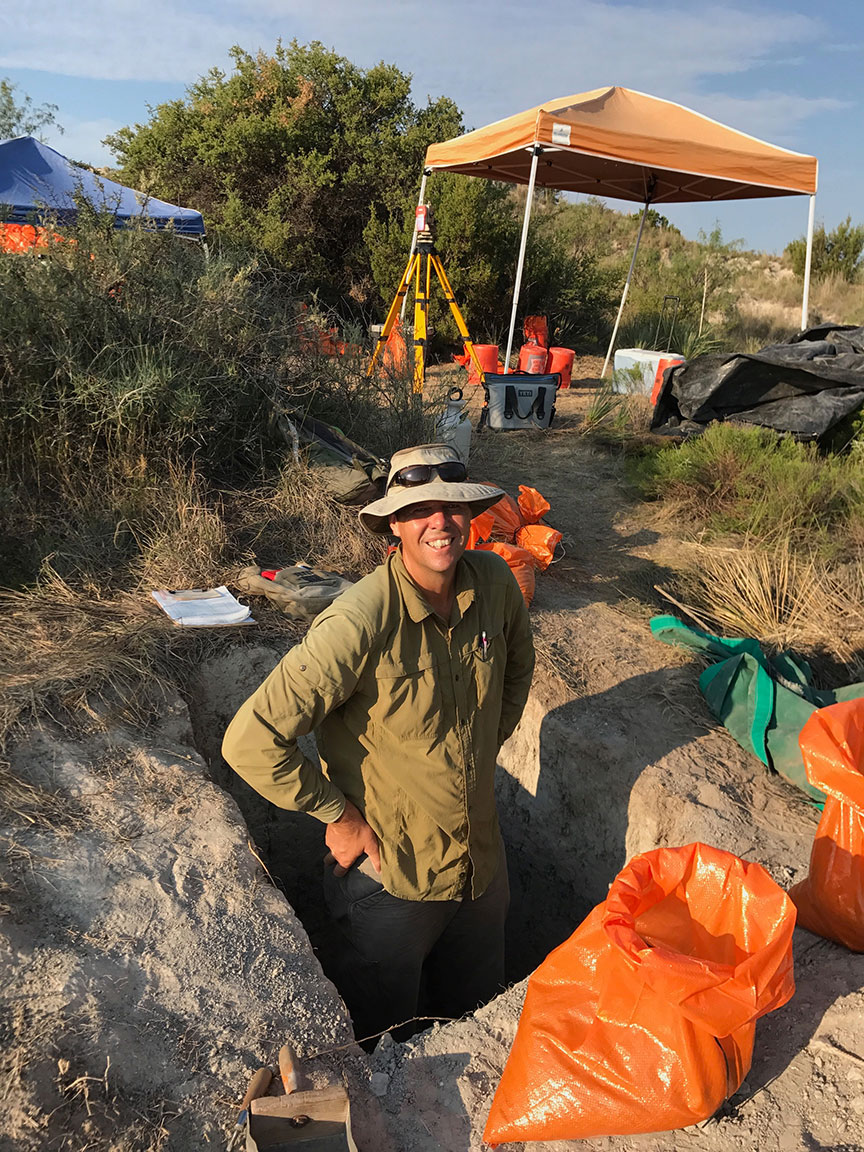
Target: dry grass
[
  {"x": 768, "y": 305},
  {"x": 617, "y": 417},
  {"x": 295, "y": 520},
  {"x": 66, "y": 648},
  {"x": 186, "y": 542},
  {"x": 785, "y": 600},
  {"x": 80, "y": 646}
]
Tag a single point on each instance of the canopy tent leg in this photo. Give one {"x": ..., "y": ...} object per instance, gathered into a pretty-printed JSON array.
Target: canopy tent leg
[
  {"x": 426, "y": 172},
  {"x": 521, "y": 262},
  {"x": 626, "y": 290},
  {"x": 808, "y": 259}
]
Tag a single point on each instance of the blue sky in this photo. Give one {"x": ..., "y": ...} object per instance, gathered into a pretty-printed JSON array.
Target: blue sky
[{"x": 787, "y": 72}]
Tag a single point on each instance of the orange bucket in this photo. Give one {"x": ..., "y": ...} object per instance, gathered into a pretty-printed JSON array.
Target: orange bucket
[
  {"x": 662, "y": 365},
  {"x": 487, "y": 354},
  {"x": 561, "y": 360},
  {"x": 532, "y": 359}
]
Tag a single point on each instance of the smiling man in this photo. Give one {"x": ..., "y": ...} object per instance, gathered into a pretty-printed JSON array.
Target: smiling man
[{"x": 412, "y": 680}]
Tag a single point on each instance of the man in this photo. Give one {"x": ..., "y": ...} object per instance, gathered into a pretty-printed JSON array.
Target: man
[{"x": 412, "y": 680}]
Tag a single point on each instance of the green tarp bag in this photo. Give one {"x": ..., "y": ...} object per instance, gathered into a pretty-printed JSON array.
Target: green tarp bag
[{"x": 763, "y": 701}]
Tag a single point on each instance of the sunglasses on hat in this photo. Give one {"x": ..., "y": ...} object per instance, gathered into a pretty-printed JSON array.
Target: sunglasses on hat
[{"x": 450, "y": 471}]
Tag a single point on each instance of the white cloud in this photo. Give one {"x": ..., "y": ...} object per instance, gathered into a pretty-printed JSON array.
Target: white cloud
[
  {"x": 81, "y": 140},
  {"x": 574, "y": 46},
  {"x": 102, "y": 40},
  {"x": 492, "y": 56},
  {"x": 771, "y": 115}
]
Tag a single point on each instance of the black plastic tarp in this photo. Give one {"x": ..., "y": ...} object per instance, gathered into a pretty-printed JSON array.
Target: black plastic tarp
[{"x": 804, "y": 387}]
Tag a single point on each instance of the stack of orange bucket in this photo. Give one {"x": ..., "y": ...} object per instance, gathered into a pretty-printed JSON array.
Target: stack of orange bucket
[{"x": 537, "y": 358}]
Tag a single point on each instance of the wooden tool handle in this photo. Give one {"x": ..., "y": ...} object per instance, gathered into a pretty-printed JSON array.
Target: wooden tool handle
[
  {"x": 288, "y": 1068},
  {"x": 258, "y": 1085}
]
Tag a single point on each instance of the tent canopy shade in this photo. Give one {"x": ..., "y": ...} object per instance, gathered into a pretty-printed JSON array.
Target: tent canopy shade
[
  {"x": 38, "y": 183},
  {"x": 627, "y": 145}
]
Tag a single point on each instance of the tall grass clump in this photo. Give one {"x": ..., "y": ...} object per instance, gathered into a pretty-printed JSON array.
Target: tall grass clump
[{"x": 755, "y": 483}]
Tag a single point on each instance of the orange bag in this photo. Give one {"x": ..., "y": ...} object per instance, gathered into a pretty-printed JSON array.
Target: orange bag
[
  {"x": 521, "y": 565},
  {"x": 643, "y": 1020},
  {"x": 532, "y": 505},
  {"x": 500, "y": 522},
  {"x": 830, "y": 900},
  {"x": 394, "y": 354},
  {"x": 540, "y": 540},
  {"x": 536, "y": 328}
]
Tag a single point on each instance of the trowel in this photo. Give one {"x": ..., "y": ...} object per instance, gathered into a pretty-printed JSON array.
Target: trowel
[{"x": 316, "y": 1120}]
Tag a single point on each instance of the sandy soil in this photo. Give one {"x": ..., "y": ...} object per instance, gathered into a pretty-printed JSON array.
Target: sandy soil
[{"x": 150, "y": 965}]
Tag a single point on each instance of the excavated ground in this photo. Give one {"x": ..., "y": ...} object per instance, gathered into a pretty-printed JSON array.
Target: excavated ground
[{"x": 151, "y": 966}]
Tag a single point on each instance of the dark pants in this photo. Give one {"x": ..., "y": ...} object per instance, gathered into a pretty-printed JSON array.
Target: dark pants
[{"x": 407, "y": 958}]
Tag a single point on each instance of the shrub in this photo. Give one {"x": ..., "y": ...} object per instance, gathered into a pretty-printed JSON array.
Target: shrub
[
  {"x": 141, "y": 379},
  {"x": 754, "y": 482},
  {"x": 835, "y": 253}
]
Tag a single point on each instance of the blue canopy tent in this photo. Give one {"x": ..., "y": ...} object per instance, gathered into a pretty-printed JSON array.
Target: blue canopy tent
[{"x": 38, "y": 185}]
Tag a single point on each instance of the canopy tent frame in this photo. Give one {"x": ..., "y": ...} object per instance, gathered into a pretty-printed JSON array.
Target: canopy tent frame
[{"x": 793, "y": 174}]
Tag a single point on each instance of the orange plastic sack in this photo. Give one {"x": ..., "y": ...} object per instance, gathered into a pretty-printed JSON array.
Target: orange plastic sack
[
  {"x": 394, "y": 354},
  {"x": 540, "y": 540},
  {"x": 536, "y": 328},
  {"x": 521, "y": 565},
  {"x": 643, "y": 1020},
  {"x": 830, "y": 901},
  {"x": 532, "y": 505},
  {"x": 500, "y": 522}
]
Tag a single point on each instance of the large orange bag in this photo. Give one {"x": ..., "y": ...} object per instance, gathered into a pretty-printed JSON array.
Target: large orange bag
[
  {"x": 830, "y": 901},
  {"x": 521, "y": 564},
  {"x": 541, "y": 541},
  {"x": 532, "y": 505},
  {"x": 643, "y": 1020},
  {"x": 502, "y": 521}
]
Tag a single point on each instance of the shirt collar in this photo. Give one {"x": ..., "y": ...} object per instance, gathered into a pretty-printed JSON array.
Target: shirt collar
[{"x": 415, "y": 603}]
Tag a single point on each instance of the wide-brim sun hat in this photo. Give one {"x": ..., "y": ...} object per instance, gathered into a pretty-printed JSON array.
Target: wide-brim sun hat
[{"x": 376, "y": 516}]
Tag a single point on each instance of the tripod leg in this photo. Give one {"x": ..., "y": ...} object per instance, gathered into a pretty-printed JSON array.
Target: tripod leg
[
  {"x": 457, "y": 315},
  {"x": 392, "y": 315},
  {"x": 421, "y": 318}
]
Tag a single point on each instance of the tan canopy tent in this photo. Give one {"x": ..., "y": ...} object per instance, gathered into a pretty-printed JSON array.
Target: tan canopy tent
[{"x": 624, "y": 144}]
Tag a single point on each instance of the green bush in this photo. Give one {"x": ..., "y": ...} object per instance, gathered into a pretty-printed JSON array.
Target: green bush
[
  {"x": 293, "y": 153},
  {"x": 756, "y": 483},
  {"x": 836, "y": 253},
  {"x": 120, "y": 345}
]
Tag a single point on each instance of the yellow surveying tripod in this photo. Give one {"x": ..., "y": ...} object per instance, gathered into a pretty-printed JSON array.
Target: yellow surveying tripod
[{"x": 420, "y": 264}]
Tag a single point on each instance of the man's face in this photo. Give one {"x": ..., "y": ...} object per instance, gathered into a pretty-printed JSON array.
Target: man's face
[{"x": 433, "y": 536}]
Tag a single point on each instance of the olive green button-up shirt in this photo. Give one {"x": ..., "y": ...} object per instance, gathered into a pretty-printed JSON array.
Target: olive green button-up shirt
[{"x": 409, "y": 715}]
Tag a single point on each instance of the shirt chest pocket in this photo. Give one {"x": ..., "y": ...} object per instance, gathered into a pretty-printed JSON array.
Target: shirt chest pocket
[
  {"x": 407, "y": 698},
  {"x": 489, "y": 657}
]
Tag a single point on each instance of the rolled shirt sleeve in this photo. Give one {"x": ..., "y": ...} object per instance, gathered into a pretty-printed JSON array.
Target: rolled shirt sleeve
[{"x": 311, "y": 680}]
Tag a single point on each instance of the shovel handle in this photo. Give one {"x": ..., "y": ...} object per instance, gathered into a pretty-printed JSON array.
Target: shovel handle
[
  {"x": 258, "y": 1085},
  {"x": 288, "y": 1068}
]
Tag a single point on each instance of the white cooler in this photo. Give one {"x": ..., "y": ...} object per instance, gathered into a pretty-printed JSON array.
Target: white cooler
[{"x": 635, "y": 369}]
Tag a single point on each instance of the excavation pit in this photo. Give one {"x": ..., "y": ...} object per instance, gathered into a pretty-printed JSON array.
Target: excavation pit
[{"x": 582, "y": 785}]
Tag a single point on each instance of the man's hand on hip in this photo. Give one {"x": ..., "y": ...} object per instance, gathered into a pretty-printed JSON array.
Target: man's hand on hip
[{"x": 349, "y": 837}]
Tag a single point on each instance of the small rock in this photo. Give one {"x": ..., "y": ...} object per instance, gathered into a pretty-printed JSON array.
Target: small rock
[{"x": 379, "y": 1083}]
